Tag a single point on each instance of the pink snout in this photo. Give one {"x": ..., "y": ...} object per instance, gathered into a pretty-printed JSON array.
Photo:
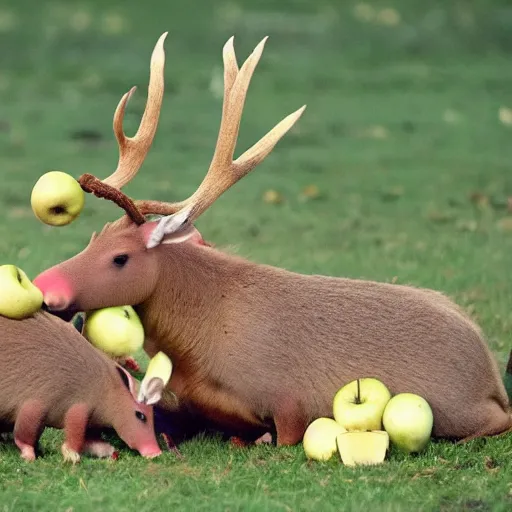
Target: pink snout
[
  {"x": 150, "y": 451},
  {"x": 56, "y": 289}
]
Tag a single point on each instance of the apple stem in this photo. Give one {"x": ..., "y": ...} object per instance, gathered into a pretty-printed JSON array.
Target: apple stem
[{"x": 358, "y": 398}]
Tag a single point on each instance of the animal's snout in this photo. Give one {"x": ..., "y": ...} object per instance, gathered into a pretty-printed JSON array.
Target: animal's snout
[
  {"x": 55, "y": 302},
  {"x": 150, "y": 452},
  {"x": 56, "y": 289}
]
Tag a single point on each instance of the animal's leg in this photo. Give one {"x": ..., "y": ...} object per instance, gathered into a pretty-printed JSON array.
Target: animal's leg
[
  {"x": 75, "y": 426},
  {"x": 290, "y": 422},
  {"x": 28, "y": 427}
]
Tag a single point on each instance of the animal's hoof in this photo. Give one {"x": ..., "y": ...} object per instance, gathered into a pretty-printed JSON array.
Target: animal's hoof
[
  {"x": 264, "y": 439},
  {"x": 69, "y": 454},
  {"x": 27, "y": 451},
  {"x": 99, "y": 449}
]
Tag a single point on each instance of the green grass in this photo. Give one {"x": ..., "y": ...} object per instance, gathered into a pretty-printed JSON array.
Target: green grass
[{"x": 401, "y": 136}]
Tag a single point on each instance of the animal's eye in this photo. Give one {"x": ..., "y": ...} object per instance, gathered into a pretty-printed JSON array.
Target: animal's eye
[
  {"x": 141, "y": 416},
  {"x": 120, "y": 260}
]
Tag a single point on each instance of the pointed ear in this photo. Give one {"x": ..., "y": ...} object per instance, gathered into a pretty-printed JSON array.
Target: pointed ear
[
  {"x": 178, "y": 224},
  {"x": 151, "y": 391},
  {"x": 152, "y": 232},
  {"x": 128, "y": 380}
]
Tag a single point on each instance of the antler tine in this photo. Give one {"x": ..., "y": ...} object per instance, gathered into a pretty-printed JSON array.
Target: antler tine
[
  {"x": 133, "y": 150},
  {"x": 223, "y": 172}
]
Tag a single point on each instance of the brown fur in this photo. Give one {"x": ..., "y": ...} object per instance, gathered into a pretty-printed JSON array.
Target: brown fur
[
  {"x": 260, "y": 347},
  {"x": 51, "y": 376}
]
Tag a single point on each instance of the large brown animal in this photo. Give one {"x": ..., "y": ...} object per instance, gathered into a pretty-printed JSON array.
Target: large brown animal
[
  {"x": 257, "y": 347},
  {"x": 51, "y": 375}
]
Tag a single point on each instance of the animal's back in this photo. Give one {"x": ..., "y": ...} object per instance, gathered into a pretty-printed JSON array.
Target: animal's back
[
  {"x": 45, "y": 358},
  {"x": 312, "y": 335}
]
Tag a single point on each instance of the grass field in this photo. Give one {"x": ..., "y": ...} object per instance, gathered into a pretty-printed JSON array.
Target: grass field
[{"x": 400, "y": 169}]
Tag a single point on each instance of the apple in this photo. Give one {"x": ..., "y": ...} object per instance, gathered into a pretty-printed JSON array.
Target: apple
[
  {"x": 408, "y": 419},
  {"x": 57, "y": 198},
  {"x": 19, "y": 297},
  {"x": 117, "y": 330},
  {"x": 363, "y": 448},
  {"x": 359, "y": 404},
  {"x": 319, "y": 441}
]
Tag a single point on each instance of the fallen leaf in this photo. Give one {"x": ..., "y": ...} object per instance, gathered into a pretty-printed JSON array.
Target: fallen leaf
[
  {"x": 505, "y": 116},
  {"x": 480, "y": 199},
  {"x": 389, "y": 16},
  {"x": 272, "y": 197},
  {"x": 310, "y": 192},
  {"x": 505, "y": 224}
]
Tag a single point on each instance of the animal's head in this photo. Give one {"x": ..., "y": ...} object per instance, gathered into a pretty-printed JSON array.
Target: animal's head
[
  {"x": 120, "y": 264},
  {"x": 132, "y": 420}
]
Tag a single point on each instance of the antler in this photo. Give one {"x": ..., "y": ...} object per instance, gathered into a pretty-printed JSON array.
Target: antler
[
  {"x": 132, "y": 150},
  {"x": 223, "y": 172}
]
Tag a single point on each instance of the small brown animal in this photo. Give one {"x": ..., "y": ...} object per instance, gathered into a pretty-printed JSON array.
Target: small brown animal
[
  {"x": 256, "y": 347},
  {"x": 52, "y": 376}
]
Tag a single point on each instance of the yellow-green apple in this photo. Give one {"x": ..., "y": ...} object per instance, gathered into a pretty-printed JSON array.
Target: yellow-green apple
[
  {"x": 319, "y": 441},
  {"x": 363, "y": 448},
  {"x": 155, "y": 379},
  {"x": 19, "y": 297},
  {"x": 117, "y": 330},
  {"x": 57, "y": 198},
  {"x": 359, "y": 404},
  {"x": 408, "y": 419}
]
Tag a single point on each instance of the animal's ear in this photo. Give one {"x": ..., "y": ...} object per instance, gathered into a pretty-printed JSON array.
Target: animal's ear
[
  {"x": 128, "y": 380},
  {"x": 173, "y": 228},
  {"x": 151, "y": 391},
  {"x": 152, "y": 234}
]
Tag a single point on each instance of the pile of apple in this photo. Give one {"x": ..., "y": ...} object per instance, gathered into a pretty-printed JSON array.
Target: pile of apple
[{"x": 366, "y": 419}]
